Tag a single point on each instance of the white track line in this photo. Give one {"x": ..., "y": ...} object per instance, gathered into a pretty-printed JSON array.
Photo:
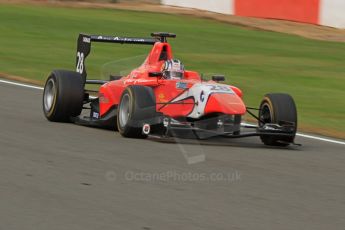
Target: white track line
[
  {"x": 310, "y": 136},
  {"x": 321, "y": 138},
  {"x": 298, "y": 134},
  {"x": 21, "y": 84}
]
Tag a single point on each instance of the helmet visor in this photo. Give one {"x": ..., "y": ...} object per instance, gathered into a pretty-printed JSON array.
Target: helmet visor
[{"x": 173, "y": 75}]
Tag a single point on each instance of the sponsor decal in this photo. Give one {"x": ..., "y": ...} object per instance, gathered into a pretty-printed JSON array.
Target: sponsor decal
[
  {"x": 134, "y": 81},
  {"x": 161, "y": 97},
  {"x": 86, "y": 39},
  {"x": 95, "y": 115},
  {"x": 181, "y": 85},
  {"x": 146, "y": 129},
  {"x": 220, "y": 88}
]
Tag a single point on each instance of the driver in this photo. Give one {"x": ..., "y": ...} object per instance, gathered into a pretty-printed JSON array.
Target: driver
[{"x": 173, "y": 69}]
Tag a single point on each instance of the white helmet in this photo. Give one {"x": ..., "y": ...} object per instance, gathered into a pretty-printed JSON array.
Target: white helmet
[{"x": 173, "y": 69}]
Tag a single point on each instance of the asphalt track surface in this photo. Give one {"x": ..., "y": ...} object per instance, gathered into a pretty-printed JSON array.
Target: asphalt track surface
[{"x": 64, "y": 176}]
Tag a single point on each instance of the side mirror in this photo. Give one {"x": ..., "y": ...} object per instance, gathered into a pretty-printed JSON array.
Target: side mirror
[
  {"x": 218, "y": 78},
  {"x": 155, "y": 74},
  {"x": 114, "y": 77}
]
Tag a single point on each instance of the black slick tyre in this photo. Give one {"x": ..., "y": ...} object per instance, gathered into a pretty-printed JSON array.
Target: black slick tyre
[
  {"x": 278, "y": 108},
  {"x": 63, "y": 95}
]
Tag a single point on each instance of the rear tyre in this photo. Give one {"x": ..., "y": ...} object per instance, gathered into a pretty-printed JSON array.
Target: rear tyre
[
  {"x": 63, "y": 95},
  {"x": 278, "y": 108},
  {"x": 137, "y": 105}
]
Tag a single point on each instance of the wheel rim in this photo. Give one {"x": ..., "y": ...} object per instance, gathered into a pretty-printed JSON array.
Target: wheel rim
[
  {"x": 266, "y": 114},
  {"x": 49, "y": 95},
  {"x": 124, "y": 110}
]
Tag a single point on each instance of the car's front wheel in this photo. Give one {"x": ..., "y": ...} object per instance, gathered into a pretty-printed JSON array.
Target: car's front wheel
[{"x": 278, "y": 108}]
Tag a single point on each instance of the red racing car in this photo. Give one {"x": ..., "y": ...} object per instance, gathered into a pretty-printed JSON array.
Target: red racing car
[{"x": 161, "y": 98}]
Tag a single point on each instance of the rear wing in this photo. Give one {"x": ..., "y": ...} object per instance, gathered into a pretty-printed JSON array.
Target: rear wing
[{"x": 84, "y": 47}]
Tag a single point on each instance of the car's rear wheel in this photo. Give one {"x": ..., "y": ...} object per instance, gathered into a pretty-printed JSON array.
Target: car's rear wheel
[
  {"x": 63, "y": 95},
  {"x": 137, "y": 105},
  {"x": 278, "y": 108}
]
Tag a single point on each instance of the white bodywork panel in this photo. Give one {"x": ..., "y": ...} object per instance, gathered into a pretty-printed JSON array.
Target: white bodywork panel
[{"x": 201, "y": 92}]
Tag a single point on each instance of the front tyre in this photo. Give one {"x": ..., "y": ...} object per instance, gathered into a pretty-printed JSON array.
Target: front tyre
[
  {"x": 63, "y": 95},
  {"x": 278, "y": 108}
]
